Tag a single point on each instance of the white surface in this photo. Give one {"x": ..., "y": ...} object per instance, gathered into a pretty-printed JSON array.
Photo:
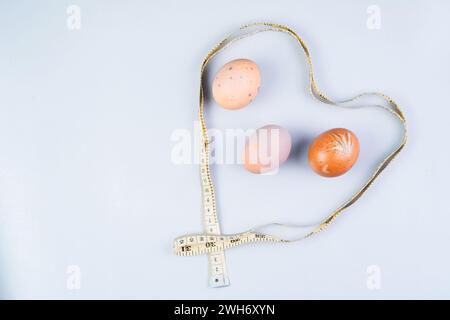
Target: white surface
[{"x": 87, "y": 179}]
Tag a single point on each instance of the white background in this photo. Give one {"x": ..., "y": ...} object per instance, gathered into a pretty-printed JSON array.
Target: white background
[{"x": 87, "y": 179}]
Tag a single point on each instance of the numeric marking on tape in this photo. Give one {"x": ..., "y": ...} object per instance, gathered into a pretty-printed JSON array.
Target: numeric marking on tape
[
  {"x": 214, "y": 244},
  {"x": 217, "y": 271}
]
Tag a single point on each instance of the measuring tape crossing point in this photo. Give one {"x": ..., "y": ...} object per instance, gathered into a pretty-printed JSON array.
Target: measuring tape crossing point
[{"x": 212, "y": 242}]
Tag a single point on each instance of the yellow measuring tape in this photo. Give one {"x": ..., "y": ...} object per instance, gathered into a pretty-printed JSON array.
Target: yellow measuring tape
[{"x": 211, "y": 241}]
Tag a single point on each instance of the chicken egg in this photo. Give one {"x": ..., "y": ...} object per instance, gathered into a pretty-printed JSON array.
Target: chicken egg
[{"x": 333, "y": 152}]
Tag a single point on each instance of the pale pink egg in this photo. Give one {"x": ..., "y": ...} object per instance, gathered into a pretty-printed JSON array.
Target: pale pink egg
[
  {"x": 236, "y": 84},
  {"x": 267, "y": 149}
]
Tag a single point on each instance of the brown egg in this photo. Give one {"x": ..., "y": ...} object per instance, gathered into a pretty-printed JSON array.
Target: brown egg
[
  {"x": 236, "y": 84},
  {"x": 333, "y": 152}
]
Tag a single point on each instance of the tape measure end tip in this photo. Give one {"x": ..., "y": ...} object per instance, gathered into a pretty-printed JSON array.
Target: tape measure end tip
[{"x": 219, "y": 281}]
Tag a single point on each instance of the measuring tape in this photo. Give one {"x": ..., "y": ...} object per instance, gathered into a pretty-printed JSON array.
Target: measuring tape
[{"x": 211, "y": 241}]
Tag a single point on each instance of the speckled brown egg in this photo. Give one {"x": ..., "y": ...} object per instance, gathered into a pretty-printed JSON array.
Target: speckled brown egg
[
  {"x": 236, "y": 84},
  {"x": 334, "y": 152}
]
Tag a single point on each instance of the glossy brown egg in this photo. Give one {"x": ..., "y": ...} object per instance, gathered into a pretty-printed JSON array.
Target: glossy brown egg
[{"x": 334, "y": 152}]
